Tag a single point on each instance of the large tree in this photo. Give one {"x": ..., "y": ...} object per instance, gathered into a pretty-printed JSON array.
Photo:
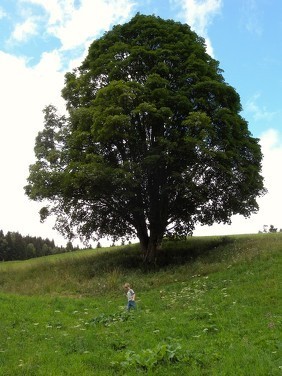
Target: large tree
[{"x": 153, "y": 143}]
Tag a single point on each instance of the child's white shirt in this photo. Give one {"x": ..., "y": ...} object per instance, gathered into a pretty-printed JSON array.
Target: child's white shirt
[{"x": 130, "y": 294}]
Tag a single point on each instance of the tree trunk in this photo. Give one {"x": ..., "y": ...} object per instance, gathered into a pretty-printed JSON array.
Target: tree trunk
[
  {"x": 150, "y": 249},
  {"x": 150, "y": 244}
]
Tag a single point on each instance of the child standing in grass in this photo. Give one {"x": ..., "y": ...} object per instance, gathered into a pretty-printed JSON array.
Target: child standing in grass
[{"x": 130, "y": 297}]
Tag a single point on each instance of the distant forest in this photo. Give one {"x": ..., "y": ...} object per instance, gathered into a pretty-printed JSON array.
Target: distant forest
[{"x": 14, "y": 246}]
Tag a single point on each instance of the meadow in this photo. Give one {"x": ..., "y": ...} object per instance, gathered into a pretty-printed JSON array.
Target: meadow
[{"x": 211, "y": 306}]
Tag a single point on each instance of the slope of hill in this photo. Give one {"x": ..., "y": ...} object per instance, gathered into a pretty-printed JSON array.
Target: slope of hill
[{"x": 212, "y": 306}]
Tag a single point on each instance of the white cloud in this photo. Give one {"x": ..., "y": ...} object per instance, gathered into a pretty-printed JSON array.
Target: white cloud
[
  {"x": 199, "y": 15},
  {"x": 76, "y": 26},
  {"x": 88, "y": 21},
  {"x": 3, "y": 14},
  {"x": 57, "y": 10},
  {"x": 271, "y": 144},
  {"x": 23, "y": 31},
  {"x": 22, "y": 101},
  {"x": 270, "y": 204},
  {"x": 251, "y": 17},
  {"x": 258, "y": 112}
]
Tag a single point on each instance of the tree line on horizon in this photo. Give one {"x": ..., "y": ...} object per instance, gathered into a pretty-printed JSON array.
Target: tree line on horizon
[{"x": 14, "y": 246}]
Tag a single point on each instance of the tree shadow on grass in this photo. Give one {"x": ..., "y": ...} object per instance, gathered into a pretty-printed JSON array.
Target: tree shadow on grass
[
  {"x": 179, "y": 252},
  {"x": 176, "y": 252}
]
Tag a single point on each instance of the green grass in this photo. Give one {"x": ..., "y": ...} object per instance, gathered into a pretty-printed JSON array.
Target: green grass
[{"x": 212, "y": 306}]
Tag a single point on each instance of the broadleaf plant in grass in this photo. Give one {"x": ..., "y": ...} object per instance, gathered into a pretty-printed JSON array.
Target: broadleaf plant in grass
[{"x": 153, "y": 143}]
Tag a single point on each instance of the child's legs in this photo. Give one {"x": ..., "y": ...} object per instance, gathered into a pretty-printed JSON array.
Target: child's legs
[{"x": 131, "y": 304}]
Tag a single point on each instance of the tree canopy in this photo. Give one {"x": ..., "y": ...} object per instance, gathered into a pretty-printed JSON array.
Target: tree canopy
[{"x": 153, "y": 143}]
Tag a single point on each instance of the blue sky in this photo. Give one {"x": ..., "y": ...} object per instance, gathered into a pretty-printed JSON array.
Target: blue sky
[{"x": 42, "y": 39}]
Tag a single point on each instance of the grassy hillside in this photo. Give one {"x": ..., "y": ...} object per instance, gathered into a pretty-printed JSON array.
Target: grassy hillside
[{"x": 212, "y": 306}]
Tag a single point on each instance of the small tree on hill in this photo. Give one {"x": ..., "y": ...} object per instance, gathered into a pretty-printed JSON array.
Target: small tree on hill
[
  {"x": 69, "y": 246},
  {"x": 154, "y": 142},
  {"x": 272, "y": 228}
]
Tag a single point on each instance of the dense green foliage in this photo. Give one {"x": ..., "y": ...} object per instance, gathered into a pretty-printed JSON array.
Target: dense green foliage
[
  {"x": 154, "y": 142},
  {"x": 14, "y": 246},
  {"x": 217, "y": 313}
]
